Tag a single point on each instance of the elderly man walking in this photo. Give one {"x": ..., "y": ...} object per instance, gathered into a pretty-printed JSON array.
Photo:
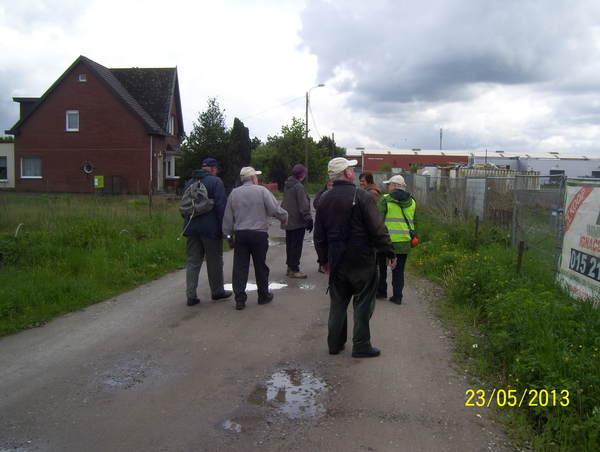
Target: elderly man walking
[
  {"x": 297, "y": 204},
  {"x": 246, "y": 217},
  {"x": 348, "y": 232},
  {"x": 204, "y": 237}
]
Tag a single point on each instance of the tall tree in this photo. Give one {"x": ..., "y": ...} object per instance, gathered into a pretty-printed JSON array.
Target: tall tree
[
  {"x": 240, "y": 137},
  {"x": 282, "y": 152},
  {"x": 327, "y": 143},
  {"x": 210, "y": 138}
]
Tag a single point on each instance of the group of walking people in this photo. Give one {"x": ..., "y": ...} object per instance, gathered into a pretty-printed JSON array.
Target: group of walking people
[{"x": 358, "y": 233}]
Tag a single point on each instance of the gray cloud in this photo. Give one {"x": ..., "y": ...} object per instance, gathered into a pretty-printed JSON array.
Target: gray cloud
[{"x": 436, "y": 51}]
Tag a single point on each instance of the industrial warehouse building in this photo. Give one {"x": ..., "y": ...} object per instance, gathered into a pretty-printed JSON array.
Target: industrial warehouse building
[{"x": 571, "y": 165}]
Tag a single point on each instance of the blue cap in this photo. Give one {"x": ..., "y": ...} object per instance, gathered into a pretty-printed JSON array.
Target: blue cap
[{"x": 210, "y": 162}]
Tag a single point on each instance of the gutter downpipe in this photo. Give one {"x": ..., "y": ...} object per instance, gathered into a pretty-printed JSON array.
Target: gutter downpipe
[{"x": 150, "y": 181}]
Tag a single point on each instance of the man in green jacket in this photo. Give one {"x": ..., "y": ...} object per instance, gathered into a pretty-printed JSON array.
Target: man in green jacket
[{"x": 399, "y": 210}]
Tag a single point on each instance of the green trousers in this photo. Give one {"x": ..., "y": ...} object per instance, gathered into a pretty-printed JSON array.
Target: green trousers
[
  {"x": 355, "y": 278},
  {"x": 196, "y": 248}
]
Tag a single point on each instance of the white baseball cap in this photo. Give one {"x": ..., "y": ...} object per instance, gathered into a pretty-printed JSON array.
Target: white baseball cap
[
  {"x": 339, "y": 164},
  {"x": 396, "y": 180},
  {"x": 248, "y": 171}
]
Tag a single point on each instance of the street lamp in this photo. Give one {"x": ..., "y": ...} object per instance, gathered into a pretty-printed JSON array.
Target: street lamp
[{"x": 306, "y": 131}]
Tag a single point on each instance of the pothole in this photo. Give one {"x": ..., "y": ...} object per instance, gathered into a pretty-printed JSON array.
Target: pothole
[
  {"x": 292, "y": 392},
  {"x": 125, "y": 375}
]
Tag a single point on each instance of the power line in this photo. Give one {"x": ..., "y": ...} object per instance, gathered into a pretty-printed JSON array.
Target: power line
[
  {"x": 313, "y": 118},
  {"x": 256, "y": 114}
]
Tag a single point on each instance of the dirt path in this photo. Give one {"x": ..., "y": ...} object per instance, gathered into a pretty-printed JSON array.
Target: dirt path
[{"x": 145, "y": 372}]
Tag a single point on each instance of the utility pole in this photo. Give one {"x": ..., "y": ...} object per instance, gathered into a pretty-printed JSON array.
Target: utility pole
[{"x": 306, "y": 130}]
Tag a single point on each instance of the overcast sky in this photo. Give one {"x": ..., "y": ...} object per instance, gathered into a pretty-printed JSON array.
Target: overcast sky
[{"x": 515, "y": 75}]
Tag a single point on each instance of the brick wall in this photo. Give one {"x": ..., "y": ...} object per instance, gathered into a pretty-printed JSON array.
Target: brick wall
[{"x": 110, "y": 138}]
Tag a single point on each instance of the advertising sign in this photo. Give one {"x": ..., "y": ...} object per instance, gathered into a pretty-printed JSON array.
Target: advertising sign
[{"x": 580, "y": 261}]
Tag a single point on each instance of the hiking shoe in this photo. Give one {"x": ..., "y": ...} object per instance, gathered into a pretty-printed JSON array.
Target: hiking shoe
[
  {"x": 239, "y": 305},
  {"x": 223, "y": 295},
  {"x": 381, "y": 296},
  {"x": 397, "y": 300},
  {"x": 266, "y": 300},
  {"x": 193, "y": 301},
  {"x": 370, "y": 352},
  {"x": 297, "y": 275},
  {"x": 288, "y": 271}
]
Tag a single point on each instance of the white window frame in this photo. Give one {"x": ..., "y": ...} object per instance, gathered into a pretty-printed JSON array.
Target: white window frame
[
  {"x": 171, "y": 125},
  {"x": 33, "y": 167},
  {"x": 83, "y": 77},
  {"x": 5, "y": 166},
  {"x": 69, "y": 126},
  {"x": 169, "y": 167}
]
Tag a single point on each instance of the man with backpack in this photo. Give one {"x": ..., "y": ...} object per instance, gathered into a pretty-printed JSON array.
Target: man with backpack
[{"x": 204, "y": 236}]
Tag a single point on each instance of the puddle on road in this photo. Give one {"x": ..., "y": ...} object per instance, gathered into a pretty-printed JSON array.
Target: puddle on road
[
  {"x": 242, "y": 424},
  {"x": 252, "y": 287},
  {"x": 294, "y": 393}
]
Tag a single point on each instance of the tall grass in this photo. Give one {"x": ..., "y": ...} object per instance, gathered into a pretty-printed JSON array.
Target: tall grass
[
  {"x": 61, "y": 253},
  {"x": 519, "y": 332}
]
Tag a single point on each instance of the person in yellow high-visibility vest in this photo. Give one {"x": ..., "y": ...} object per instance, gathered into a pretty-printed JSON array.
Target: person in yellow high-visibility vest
[{"x": 399, "y": 210}]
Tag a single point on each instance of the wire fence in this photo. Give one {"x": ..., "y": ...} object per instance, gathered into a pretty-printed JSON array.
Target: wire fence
[{"x": 528, "y": 205}]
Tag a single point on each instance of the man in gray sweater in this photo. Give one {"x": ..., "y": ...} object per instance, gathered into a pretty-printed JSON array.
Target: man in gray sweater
[{"x": 246, "y": 216}]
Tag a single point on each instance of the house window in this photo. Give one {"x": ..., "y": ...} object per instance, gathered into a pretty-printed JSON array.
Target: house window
[
  {"x": 72, "y": 120},
  {"x": 3, "y": 168},
  {"x": 169, "y": 167},
  {"x": 83, "y": 77},
  {"x": 31, "y": 167},
  {"x": 171, "y": 125}
]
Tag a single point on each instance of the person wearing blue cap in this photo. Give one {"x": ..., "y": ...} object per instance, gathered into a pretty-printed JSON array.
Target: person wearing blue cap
[{"x": 204, "y": 237}]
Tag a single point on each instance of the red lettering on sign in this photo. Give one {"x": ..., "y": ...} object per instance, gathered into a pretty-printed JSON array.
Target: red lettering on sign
[{"x": 575, "y": 204}]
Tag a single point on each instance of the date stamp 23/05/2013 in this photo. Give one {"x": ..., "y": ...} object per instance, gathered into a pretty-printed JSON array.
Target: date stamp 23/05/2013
[{"x": 514, "y": 398}]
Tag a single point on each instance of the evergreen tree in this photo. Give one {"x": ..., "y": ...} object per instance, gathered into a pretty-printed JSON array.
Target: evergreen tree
[
  {"x": 242, "y": 145},
  {"x": 211, "y": 138},
  {"x": 328, "y": 144}
]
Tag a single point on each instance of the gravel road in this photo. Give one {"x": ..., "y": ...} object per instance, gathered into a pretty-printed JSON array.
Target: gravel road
[{"x": 144, "y": 372}]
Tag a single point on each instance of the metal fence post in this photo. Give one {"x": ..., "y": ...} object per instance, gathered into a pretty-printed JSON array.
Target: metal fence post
[{"x": 514, "y": 216}]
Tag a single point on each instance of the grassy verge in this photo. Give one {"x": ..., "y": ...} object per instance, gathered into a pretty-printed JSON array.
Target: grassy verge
[
  {"x": 525, "y": 340},
  {"x": 60, "y": 253}
]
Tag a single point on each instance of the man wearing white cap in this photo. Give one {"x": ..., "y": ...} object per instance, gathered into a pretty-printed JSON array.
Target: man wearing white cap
[
  {"x": 398, "y": 208},
  {"x": 247, "y": 216},
  {"x": 348, "y": 232}
]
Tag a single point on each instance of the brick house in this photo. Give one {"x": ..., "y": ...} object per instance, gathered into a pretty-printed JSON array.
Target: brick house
[{"x": 99, "y": 129}]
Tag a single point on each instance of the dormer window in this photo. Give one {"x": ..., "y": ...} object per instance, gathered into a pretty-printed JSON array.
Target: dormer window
[
  {"x": 72, "y": 121},
  {"x": 83, "y": 77}
]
